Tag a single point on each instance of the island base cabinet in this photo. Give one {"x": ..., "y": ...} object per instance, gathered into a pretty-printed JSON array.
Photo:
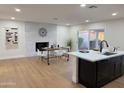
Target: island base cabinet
[
  {"x": 108, "y": 70},
  {"x": 122, "y": 65},
  {"x": 87, "y": 73},
  {"x": 105, "y": 71},
  {"x": 97, "y": 74}
]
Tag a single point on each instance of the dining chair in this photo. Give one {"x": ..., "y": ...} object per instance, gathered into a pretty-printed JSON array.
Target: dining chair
[
  {"x": 42, "y": 54},
  {"x": 61, "y": 54}
]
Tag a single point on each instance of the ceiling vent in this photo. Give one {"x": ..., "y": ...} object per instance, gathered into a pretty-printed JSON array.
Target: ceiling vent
[
  {"x": 55, "y": 18},
  {"x": 93, "y": 6}
]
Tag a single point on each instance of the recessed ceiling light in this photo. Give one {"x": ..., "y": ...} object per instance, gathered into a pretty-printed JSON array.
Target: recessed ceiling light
[
  {"x": 13, "y": 18},
  {"x": 86, "y": 20},
  {"x": 114, "y": 14},
  {"x": 82, "y": 5},
  {"x": 67, "y": 24},
  {"x": 17, "y": 10}
]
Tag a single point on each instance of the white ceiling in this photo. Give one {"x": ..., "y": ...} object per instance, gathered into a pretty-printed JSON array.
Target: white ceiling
[{"x": 66, "y": 13}]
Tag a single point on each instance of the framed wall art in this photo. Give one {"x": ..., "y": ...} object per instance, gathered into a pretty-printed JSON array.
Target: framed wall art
[{"x": 11, "y": 38}]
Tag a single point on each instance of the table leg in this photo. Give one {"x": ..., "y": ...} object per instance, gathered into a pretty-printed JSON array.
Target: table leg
[
  {"x": 68, "y": 55},
  {"x": 48, "y": 57}
]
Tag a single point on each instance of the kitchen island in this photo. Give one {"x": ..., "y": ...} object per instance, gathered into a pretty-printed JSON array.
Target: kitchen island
[{"x": 94, "y": 69}]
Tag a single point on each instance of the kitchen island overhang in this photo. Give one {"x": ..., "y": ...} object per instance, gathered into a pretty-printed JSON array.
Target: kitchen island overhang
[{"x": 94, "y": 69}]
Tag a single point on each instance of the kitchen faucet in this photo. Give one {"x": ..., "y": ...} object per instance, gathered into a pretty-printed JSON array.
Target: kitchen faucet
[{"x": 101, "y": 45}]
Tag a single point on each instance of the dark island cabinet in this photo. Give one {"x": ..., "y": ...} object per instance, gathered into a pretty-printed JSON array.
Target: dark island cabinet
[
  {"x": 123, "y": 65},
  {"x": 87, "y": 73},
  {"x": 105, "y": 71},
  {"x": 97, "y": 74},
  {"x": 108, "y": 70}
]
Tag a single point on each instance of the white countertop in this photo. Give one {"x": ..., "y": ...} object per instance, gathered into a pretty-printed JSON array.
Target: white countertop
[{"x": 94, "y": 55}]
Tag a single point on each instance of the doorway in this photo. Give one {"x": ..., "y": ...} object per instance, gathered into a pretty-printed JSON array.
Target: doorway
[
  {"x": 95, "y": 37},
  {"x": 90, "y": 39}
]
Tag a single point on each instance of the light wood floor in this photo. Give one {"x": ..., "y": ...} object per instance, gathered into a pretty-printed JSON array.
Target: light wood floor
[{"x": 32, "y": 73}]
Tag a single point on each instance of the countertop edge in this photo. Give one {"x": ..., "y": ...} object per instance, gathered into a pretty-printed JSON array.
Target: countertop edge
[{"x": 91, "y": 60}]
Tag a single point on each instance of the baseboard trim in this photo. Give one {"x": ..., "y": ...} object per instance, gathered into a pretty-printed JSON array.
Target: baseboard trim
[{"x": 16, "y": 57}]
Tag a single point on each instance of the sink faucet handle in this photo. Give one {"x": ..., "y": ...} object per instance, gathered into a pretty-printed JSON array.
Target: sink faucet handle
[{"x": 115, "y": 49}]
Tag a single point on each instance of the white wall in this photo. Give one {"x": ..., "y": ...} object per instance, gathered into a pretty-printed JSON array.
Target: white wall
[
  {"x": 4, "y": 53},
  {"x": 73, "y": 35},
  {"x": 32, "y": 36},
  {"x": 28, "y": 36},
  {"x": 114, "y": 31},
  {"x": 62, "y": 35}
]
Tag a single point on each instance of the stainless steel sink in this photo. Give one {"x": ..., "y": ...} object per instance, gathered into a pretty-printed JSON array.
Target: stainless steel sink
[{"x": 109, "y": 53}]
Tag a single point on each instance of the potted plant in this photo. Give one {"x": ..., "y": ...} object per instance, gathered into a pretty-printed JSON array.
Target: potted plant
[{"x": 69, "y": 43}]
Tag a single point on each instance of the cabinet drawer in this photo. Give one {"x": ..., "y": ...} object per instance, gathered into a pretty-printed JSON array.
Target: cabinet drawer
[{"x": 115, "y": 59}]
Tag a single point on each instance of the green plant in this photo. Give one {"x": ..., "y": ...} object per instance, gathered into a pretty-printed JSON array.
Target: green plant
[{"x": 69, "y": 43}]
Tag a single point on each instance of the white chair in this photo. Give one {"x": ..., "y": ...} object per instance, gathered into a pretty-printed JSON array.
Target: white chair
[
  {"x": 42, "y": 54},
  {"x": 38, "y": 52},
  {"x": 60, "y": 53}
]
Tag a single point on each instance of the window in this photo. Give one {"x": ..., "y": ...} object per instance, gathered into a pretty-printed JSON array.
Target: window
[
  {"x": 90, "y": 39},
  {"x": 95, "y": 38}
]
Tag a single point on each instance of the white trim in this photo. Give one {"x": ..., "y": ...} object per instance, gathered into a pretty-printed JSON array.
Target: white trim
[{"x": 15, "y": 57}]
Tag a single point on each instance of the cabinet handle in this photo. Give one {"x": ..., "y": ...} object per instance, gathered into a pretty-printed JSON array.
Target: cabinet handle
[{"x": 114, "y": 69}]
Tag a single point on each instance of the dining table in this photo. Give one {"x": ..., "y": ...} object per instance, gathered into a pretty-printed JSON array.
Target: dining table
[{"x": 53, "y": 49}]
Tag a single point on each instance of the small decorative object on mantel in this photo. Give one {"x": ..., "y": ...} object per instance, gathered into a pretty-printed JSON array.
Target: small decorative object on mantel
[{"x": 43, "y": 32}]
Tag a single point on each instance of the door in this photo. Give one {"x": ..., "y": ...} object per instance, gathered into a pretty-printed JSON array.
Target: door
[
  {"x": 83, "y": 40},
  {"x": 117, "y": 61}
]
